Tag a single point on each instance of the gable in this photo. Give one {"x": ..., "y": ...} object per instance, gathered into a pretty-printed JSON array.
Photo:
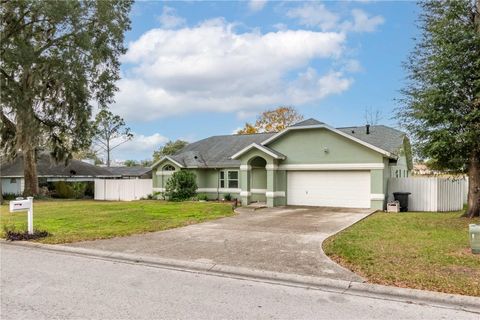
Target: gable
[{"x": 321, "y": 145}]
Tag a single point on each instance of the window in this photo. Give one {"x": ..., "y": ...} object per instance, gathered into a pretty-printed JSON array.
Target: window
[
  {"x": 222, "y": 179},
  {"x": 233, "y": 179},
  {"x": 13, "y": 180},
  {"x": 168, "y": 167}
]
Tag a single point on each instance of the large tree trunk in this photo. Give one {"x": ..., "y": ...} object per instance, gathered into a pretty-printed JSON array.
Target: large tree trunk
[
  {"x": 30, "y": 172},
  {"x": 473, "y": 209}
]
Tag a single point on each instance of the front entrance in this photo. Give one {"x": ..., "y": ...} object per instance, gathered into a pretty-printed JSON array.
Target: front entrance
[{"x": 258, "y": 180}]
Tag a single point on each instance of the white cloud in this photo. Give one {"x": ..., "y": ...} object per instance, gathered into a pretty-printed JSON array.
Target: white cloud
[
  {"x": 317, "y": 15},
  {"x": 140, "y": 147},
  {"x": 211, "y": 68},
  {"x": 256, "y": 5},
  {"x": 362, "y": 22},
  {"x": 169, "y": 18}
]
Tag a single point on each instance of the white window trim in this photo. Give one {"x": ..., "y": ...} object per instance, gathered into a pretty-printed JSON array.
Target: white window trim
[{"x": 228, "y": 179}]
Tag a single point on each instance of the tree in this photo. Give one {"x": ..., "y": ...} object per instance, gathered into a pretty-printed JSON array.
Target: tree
[
  {"x": 373, "y": 117},
  {"x": 181, "y": 185},
  {"x": 441, "y": 102},
  {"x": 110, "y": 132},
  {"x": 273, "y": 121},
  {"x": 130, "y": 163},
  {"x": 88, "y": 153},
  {"x": 169, "y": 148},
  {"x": 57, "y": 58}
]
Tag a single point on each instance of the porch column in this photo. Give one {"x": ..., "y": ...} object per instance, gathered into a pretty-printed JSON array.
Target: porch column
[
  {"x": 245, "y": 177},
  {"x": 271, "y": 172}
]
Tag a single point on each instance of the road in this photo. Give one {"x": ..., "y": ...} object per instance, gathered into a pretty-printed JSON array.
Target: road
[{"x": 40, "y": 284}]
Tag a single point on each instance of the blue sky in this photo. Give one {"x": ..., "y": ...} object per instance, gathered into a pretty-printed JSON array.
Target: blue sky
[{"x": 196, "y": 69}]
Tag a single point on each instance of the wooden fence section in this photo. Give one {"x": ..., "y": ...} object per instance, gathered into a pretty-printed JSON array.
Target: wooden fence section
[
  {"x": 122, "y": 189},
  {"x": 430, "y": 193}
]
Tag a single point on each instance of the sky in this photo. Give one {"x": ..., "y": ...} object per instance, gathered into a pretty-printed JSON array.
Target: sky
[{"x": 195, "y": 69}]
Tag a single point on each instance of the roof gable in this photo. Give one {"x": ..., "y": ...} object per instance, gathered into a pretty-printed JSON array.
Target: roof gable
[{"x": 364, "y": 140}]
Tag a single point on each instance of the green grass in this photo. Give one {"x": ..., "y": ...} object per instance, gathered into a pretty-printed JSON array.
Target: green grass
[
  {"x": 78, "y": 220},
  {"x": 421, "y": 250}
]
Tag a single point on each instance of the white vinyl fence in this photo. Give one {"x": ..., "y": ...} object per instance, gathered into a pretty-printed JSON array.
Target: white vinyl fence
[
  {"x": 430, "y": 193},
  {"x": 122, "y": 189}
]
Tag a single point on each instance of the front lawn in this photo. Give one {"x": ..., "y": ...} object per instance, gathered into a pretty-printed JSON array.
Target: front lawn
[
  {"x": 421, "y": 250},
  {"x": 77, "y": 220}
]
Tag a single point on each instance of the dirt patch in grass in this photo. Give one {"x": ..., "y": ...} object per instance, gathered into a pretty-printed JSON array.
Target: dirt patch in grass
[{"x": 420, "y": 250}]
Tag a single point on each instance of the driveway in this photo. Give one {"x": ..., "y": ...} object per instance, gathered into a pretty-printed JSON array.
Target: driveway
[{"x": 287, "y": 240}]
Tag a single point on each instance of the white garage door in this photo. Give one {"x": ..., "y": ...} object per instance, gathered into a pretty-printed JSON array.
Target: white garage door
[{"x": 350, "y": 189}]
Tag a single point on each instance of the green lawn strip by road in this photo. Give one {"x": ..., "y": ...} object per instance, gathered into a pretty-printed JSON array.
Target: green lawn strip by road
[
  {"x": 419, "y": 250},
  {"x": 70, "y": 221}
]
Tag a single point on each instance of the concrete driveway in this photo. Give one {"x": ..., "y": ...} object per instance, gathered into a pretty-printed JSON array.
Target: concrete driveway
[{"x": 287, "y": 240}]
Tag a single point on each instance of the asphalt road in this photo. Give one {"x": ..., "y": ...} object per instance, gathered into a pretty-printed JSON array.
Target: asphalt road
[{"x": 40, "y": 284}]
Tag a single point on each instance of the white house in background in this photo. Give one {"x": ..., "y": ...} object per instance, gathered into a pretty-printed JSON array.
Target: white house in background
[{"x": 48, "y": 170}]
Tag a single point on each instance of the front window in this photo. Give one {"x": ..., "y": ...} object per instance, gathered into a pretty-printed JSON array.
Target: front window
[
  {"x": 222, "y": 179},
  {"x": 233, "y": 179},
  {"x": 168, "y": 167}
]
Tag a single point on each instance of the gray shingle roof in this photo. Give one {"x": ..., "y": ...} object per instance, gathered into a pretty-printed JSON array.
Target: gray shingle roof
[
  {"x": 47, "y": 167},
  {"x": 135, "y": 171},
  {"x": 217, "y": 150},
  {"x": 308, "y": 122},
  {"x": 383, "y": 137}
]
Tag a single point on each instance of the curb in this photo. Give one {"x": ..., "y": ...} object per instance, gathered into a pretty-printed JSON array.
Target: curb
[{"x": 451, "y": 301}]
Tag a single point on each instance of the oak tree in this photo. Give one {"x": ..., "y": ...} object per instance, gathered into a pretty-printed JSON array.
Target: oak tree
[
  {"x": 57, "y": 59},
  {"x": 441, "y": 102}
]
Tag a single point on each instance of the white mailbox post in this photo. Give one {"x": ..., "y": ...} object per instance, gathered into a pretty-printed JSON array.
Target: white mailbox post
[{"x": 22, "y": 205}]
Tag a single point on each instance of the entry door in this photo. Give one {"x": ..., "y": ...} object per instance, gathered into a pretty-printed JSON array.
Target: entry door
[{"x": 349, "y": 189}]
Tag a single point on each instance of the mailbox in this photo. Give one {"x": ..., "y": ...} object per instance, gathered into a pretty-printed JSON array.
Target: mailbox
[
  {"x": 20, "y": 205},
  {"x": 24, "y": 205}
]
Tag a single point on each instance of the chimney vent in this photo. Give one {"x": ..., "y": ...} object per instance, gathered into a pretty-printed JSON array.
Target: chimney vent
[{"x": 368, "y": 128}]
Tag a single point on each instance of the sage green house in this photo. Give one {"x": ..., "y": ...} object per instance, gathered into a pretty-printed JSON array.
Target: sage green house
[{"x": 309, "y": 163}]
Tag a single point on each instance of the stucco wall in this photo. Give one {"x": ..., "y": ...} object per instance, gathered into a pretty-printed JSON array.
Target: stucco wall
[{"x": 308, "y": 146}]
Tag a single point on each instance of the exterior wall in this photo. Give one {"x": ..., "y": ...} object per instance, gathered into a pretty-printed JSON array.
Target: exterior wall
[
  {"x": 400, "y": 169},
  {"x": 15, "y": 188},
  {"x": 160, "y": 176},
  {"x": 340, "y": 149},
  {"x": 207, "y": 181}
]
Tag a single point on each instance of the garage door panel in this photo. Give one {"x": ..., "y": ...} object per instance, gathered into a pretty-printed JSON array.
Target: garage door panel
[{"x": 349, "y": 189}]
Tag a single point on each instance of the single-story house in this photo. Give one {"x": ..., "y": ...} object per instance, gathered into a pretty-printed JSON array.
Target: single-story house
[
  {"x": 309, "y": 163},
  {"x": 134, "y": 172},
  {"x": 48, "y": 170}
]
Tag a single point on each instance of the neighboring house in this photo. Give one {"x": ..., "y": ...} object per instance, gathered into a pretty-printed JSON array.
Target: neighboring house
[
  {"x": 135, "y": 172},
  {"x": 309, "y": 163},
  {"x": 11, "y": 172}
]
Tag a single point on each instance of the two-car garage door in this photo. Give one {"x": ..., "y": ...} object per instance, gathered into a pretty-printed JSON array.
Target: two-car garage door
[{"x": 350, "y": 189}]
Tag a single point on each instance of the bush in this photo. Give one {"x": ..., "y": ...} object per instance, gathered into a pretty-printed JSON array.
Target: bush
[
  {"x": 71, "y": 190},
  {"x": 12, "y": 234},
  {"x": 10, "y": 196},
  {"x": 63, "y": 190},
  {"x": 202, "y": 197},
  {"x": 181, "y": 186},
  {"x": 227, "y": 197}
]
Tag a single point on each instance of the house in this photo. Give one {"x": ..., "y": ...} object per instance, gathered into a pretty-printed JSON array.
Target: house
[
  {"x": 48, "y": 170},
  {"x": 309, "y": 163},
  {"x": 134, "y": 172}
]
